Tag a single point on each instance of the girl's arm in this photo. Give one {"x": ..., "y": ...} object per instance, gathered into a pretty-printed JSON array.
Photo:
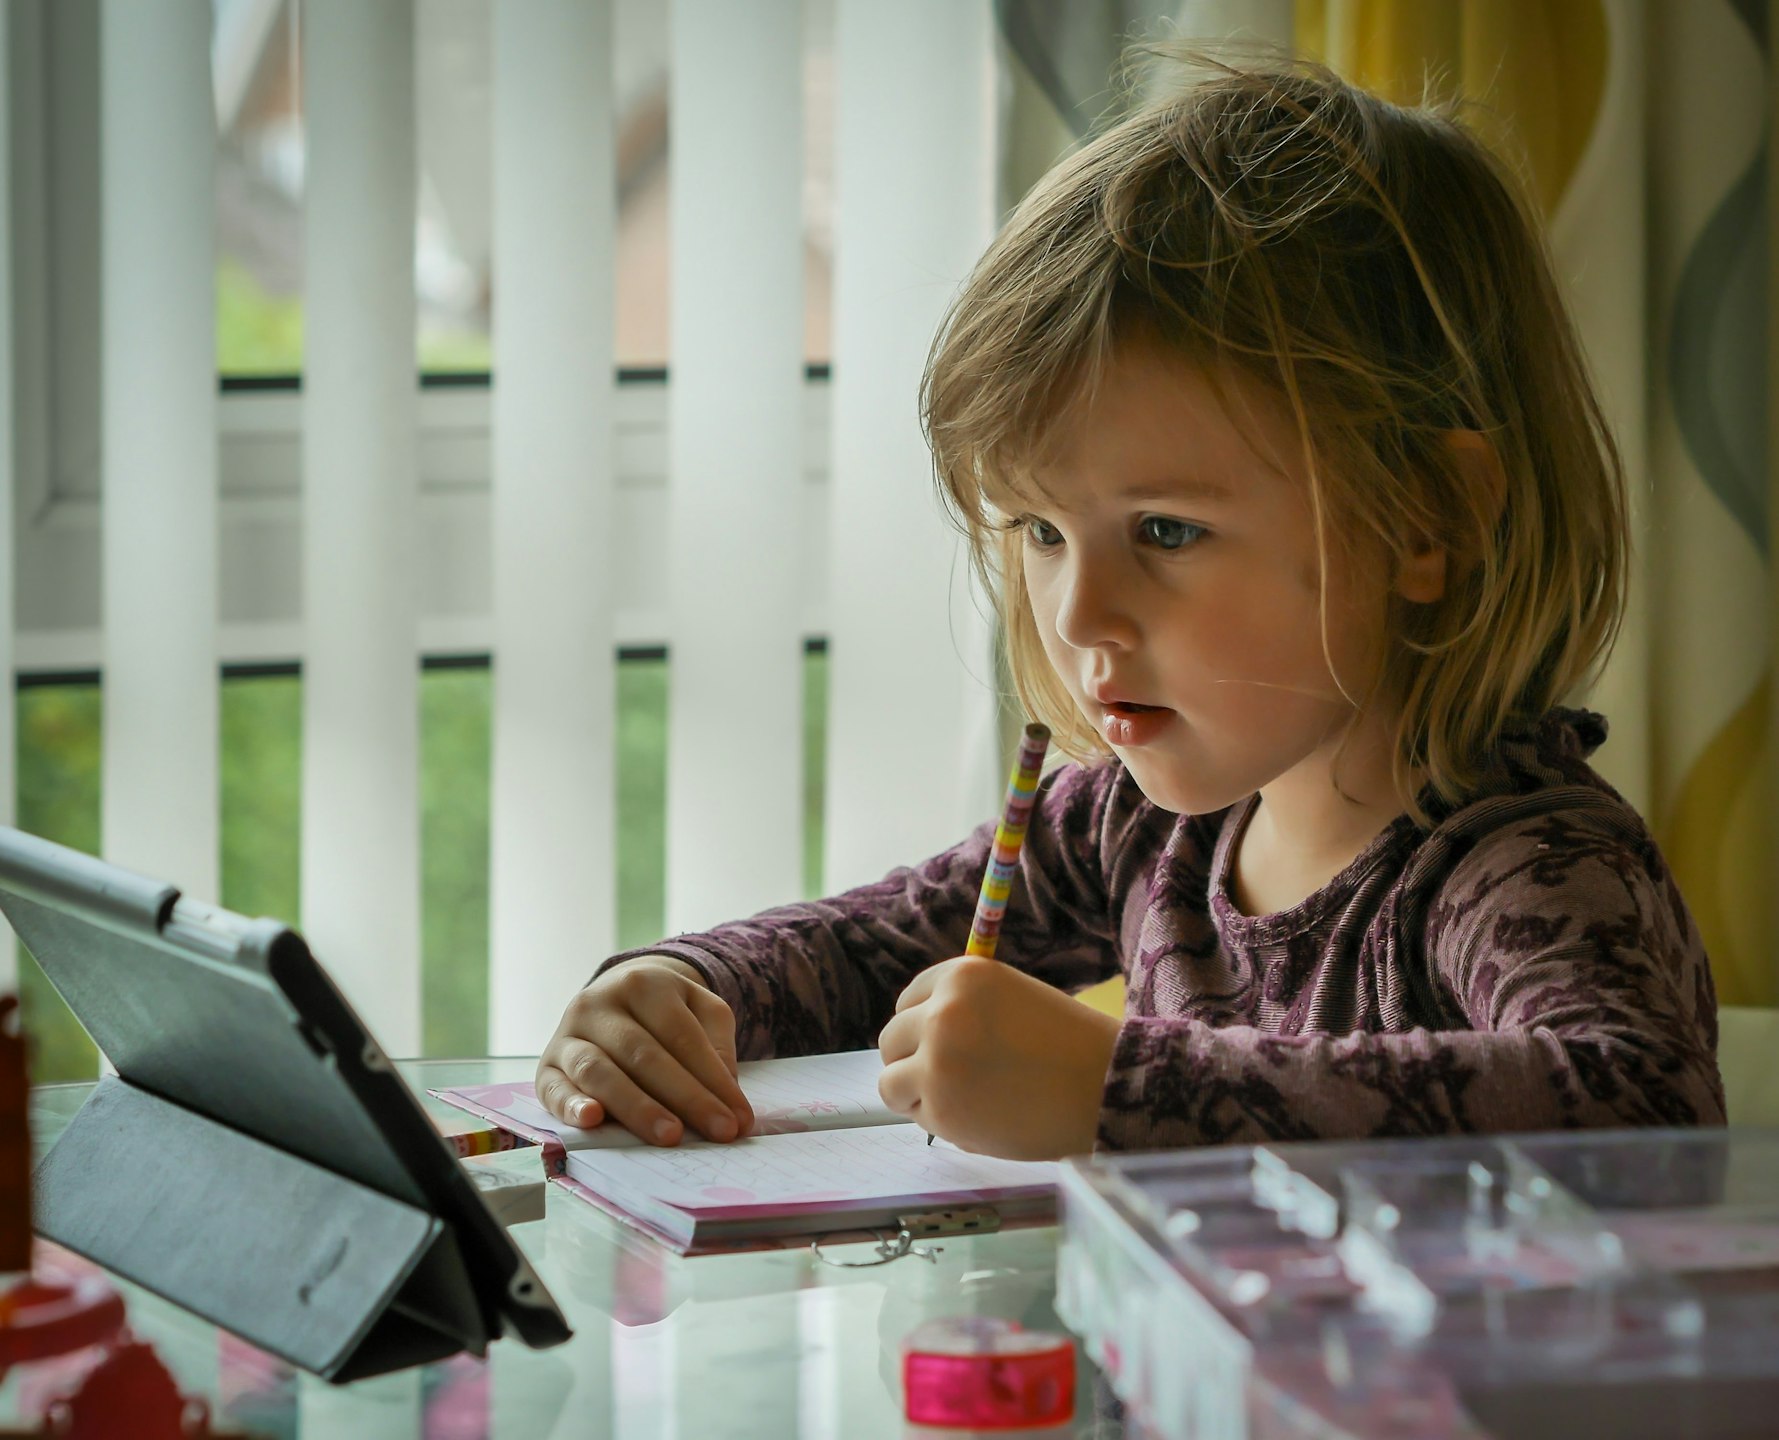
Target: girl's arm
[
  {"x": 1564, "y": 947},
  {"x": 825, "y": 974}
]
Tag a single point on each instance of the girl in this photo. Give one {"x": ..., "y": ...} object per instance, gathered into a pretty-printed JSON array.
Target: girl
[{"x": 1266, "y": 423}]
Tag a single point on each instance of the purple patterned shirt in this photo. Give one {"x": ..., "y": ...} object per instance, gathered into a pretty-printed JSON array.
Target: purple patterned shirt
[{"x": 1525, "y": 964}]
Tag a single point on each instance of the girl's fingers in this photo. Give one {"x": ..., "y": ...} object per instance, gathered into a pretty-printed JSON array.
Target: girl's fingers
[
  {"x": 718, "y": 1021},
  {"x": 920, "y": 986},
  {"x": 703, "y": 1090},
  {"x": 900, "y": 1038},
  {"x": 594, "y": 1071},
  {"x": 558, "y": 1094},
  {"x": 651, "y": 1051},
  {"x": 899, "y": 1088}
]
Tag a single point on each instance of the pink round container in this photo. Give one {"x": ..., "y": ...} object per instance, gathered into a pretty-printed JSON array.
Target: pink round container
[{"x": 979, "y": 1372}]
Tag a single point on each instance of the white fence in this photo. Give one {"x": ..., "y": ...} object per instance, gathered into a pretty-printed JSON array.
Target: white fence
[{"x": 161, "y": 531}]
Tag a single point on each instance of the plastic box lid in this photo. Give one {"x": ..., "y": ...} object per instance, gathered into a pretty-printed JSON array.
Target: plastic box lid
[{"x": 1610, "y": 1282}]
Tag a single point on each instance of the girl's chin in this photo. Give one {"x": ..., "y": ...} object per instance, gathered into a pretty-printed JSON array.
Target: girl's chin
[
  {"x": 1169, "y": 789},
  {"x": 1175, "y": 793}
]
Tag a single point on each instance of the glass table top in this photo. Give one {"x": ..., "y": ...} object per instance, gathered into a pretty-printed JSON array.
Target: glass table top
[{"x": 771, "y": 1344}]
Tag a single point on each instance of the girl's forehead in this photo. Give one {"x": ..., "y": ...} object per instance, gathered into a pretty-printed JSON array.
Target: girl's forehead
[{"x": 1152, "y": 419}]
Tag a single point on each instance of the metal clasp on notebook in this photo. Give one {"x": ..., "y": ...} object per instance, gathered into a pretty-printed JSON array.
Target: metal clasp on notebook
[{"x": 911, "y": 1229}]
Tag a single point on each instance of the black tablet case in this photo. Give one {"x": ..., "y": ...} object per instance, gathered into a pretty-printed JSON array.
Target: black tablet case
[{"x": 256, "y": 1159}]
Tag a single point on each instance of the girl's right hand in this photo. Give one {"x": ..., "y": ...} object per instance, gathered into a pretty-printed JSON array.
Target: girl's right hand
[{"x": 649, "y": 1046}]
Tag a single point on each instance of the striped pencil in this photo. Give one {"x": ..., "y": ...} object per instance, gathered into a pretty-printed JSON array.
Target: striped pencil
[
  {"x": 1022, "y": 790},
  {"x": 1016, "y": 814}
]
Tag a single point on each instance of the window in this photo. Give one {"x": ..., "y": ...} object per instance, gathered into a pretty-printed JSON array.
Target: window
[
  {"x": 59, "y": 722},
  {"x": 259, "y": 184},
  {"x": 256, "y": 47}
]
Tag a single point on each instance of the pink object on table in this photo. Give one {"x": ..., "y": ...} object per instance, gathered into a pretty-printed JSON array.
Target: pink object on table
[{"x": 978, "y": 1372}]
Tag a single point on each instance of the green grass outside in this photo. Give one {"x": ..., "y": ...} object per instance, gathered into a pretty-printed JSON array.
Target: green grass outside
[
  {"x": 258, "y": 333},
  {"x": 58, "y": 798},
  {"x": 261, "y": 728}
]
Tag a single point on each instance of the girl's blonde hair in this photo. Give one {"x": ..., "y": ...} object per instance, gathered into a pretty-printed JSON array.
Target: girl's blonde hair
[{"x": 1383, "y": 273}]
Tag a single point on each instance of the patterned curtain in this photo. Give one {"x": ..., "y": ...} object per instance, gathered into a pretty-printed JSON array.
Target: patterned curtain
[{"x": 1643, "y": 131}]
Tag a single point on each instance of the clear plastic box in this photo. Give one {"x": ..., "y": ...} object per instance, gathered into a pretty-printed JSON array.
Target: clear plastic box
[{"x": 1612, "y": 1283}]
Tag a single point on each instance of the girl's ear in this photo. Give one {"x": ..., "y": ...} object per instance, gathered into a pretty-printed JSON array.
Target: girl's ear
[
  {"x": 1421, "y": 578},
  {"x": 1479, "y": 466}
]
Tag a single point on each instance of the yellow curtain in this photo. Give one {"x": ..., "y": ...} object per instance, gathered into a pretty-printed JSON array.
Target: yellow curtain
[
  {"x": 1708, "y": 123},
  {"x": 1533, "y": 69}
]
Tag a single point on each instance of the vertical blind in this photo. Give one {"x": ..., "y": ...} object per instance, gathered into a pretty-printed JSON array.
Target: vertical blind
[
  {"x": 911, "y": 703},
  {"x": 552, "y": 891},
  {"x": 911, "y": 712},
  {"x": 159, "y": 803},
  {"x": 735, "y": 704},
  {"x": 361, "y": 720}
]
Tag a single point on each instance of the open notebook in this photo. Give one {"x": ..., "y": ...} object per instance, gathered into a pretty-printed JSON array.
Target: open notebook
[{"x": 825, "y": 1156}]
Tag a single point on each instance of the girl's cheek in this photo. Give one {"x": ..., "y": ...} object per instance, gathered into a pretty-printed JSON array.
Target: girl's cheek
[
  {"x": 1037, "y": 596},
  {"x": 1262, "y": 640},
  {"x": 1054, "y": 650}
]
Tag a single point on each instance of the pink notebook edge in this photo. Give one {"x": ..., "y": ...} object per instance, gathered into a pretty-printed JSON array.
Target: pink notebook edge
[{"x": 555, "y": 1164}]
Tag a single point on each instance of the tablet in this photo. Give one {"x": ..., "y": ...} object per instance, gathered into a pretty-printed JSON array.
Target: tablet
[{"x": 256, "y": 1157}]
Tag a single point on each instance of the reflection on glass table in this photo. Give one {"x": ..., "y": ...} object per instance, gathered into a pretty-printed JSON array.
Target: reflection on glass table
[{"x": 772, "y": 1344}]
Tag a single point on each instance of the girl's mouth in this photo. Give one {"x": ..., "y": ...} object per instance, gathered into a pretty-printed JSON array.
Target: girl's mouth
[{"x": 1127, "y": 723}]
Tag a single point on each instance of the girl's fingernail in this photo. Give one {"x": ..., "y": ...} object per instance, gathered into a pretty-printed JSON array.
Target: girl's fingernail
[
  {"x": 664, "y": 1130},
  {"x": 720, "y": 1127},
  {"x": 581, "y": 1111}
]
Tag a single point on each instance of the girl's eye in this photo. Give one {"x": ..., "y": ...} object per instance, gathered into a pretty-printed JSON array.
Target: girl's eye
[
  {"x": 1166, "y": 534},
  {"x": 1041, "y": 532}
]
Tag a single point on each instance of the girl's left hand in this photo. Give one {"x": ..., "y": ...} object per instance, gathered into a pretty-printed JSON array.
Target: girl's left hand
[{"x": 997, "y": 1062}]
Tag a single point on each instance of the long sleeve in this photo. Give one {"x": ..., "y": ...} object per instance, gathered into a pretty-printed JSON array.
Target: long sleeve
[
  {"x": 825, "y": 974},
  {"x": 1573, "y": 992}
]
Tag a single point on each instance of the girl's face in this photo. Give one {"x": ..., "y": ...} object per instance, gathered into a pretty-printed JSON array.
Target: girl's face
[{"x": 1170, "y": 555}]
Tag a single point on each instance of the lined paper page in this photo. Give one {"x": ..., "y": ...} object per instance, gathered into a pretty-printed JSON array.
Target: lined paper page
[
  {"x": 819, "y": 1168},
  {"x": 799, "y": 1093}
]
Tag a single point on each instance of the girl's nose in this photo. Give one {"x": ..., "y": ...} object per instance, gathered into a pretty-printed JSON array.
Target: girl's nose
[{"x": 1094, "y": 607}]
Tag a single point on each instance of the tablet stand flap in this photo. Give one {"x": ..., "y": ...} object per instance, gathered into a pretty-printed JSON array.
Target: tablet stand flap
[{"x": 332, "y": 1275}]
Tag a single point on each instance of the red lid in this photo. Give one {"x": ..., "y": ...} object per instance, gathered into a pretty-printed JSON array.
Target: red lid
[{"x": 41, "y": 1317}]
